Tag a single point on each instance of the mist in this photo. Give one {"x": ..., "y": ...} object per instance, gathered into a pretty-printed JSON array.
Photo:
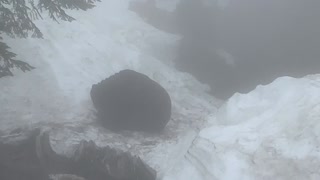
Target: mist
[{"x": 235, "y": 45}]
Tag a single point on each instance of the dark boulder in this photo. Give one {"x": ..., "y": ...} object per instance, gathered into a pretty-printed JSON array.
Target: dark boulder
[{"x": 129, "y": 100}]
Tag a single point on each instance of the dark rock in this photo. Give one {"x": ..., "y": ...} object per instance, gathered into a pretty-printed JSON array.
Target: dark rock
[
  {"x": 19, "y": 160},
  {"x": 92, "y": 161},
  {"x": 130, "y": 100},
  {"x": 34, "y": 159}
]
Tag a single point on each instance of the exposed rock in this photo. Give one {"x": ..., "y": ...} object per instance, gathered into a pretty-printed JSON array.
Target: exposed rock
[
  {"x": 34, "y": 159},
  {"x": 116, "y": 164},
  {"x": 19, "y": 160},
  {"x": 130, "y": 100}
]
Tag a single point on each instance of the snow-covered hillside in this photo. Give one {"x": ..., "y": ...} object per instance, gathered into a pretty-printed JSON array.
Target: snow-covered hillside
[
  {"x": 73, "y": 56},
  {"x": 270, "y": 133}
]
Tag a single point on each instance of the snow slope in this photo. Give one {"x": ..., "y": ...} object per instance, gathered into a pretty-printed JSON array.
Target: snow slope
[
  {"x": 73, "y": 56},
  {"x": 270, "y": 133}
]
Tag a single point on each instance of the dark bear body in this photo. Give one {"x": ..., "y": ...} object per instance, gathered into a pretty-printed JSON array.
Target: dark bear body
[{"x": 129, "y": 100}]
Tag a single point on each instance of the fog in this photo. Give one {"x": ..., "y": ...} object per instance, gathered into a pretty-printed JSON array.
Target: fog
[{"x": 243, "y": 43}]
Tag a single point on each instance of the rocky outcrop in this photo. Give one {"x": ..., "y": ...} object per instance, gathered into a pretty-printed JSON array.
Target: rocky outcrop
[{"x": 34, "y": 159}]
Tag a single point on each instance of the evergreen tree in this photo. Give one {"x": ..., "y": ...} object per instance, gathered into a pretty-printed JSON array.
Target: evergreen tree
[{"x": 16, "y": 20}]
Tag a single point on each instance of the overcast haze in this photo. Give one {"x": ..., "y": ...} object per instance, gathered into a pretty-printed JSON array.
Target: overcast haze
[{"x": 244, "y": 42}]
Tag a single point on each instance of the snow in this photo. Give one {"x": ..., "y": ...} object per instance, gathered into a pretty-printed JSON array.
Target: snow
[
  {"x": 270, "y": 133},
  {"x": 73, "y": 56}
]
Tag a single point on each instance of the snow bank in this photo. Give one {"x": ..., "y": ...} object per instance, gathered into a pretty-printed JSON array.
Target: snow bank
[
  {"x": 73, "y": 56},
  {"x": 270, "y": 133}
]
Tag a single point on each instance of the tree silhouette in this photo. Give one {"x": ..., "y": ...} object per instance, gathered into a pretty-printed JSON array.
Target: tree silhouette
[{"x": 16, "y": 20}]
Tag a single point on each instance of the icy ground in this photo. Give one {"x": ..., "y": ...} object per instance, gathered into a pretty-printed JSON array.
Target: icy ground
[{"x": 270, "y": 133}]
